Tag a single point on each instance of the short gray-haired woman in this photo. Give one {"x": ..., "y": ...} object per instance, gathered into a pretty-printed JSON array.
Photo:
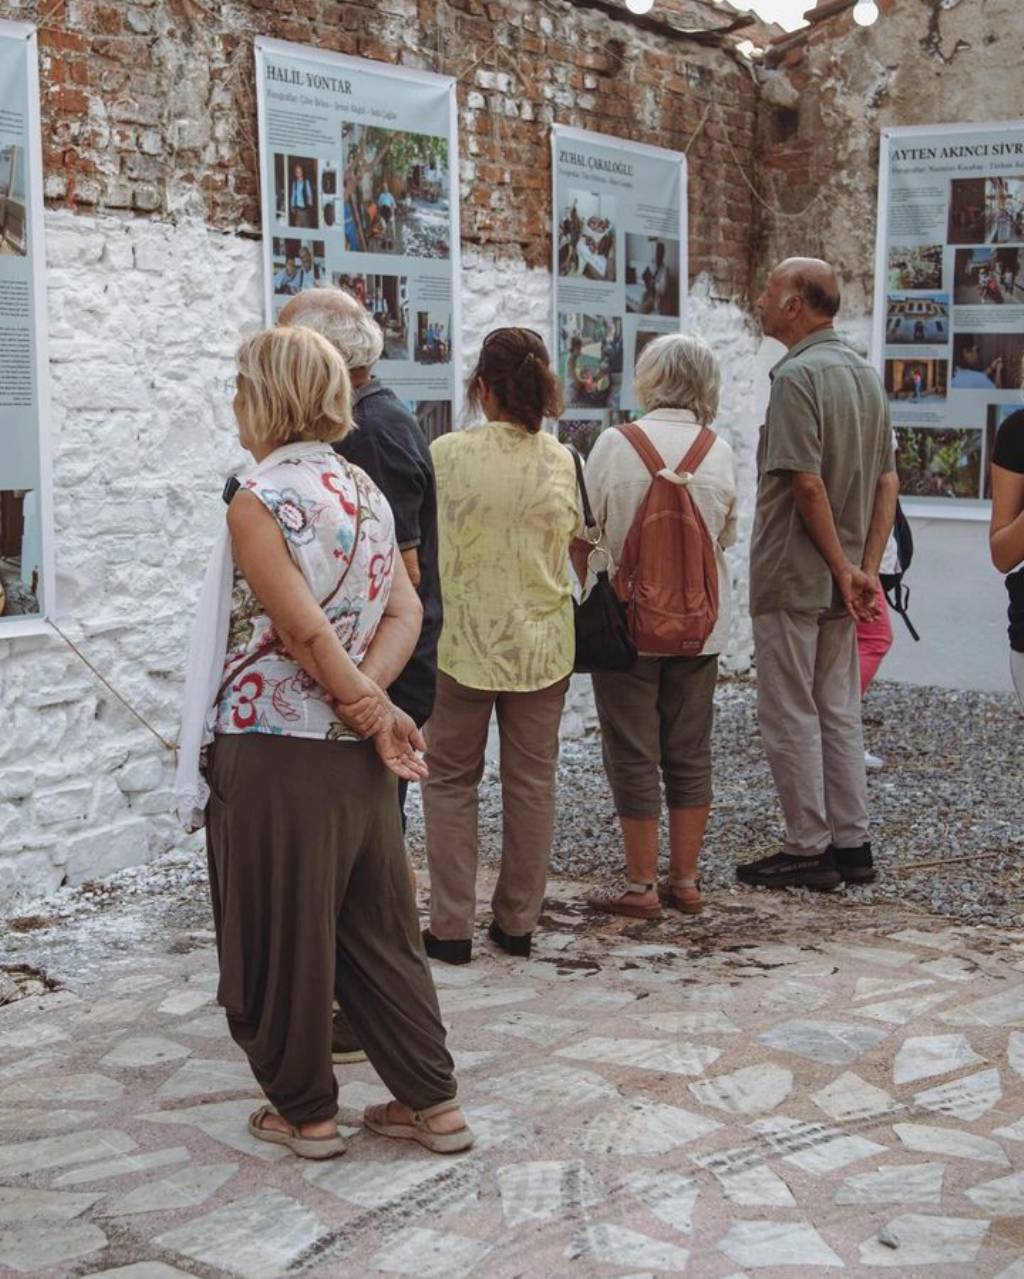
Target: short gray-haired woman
[{"x": 656, "y": 718}]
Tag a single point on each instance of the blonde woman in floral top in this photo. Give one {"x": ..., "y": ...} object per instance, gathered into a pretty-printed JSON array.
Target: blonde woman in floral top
[
  {"x": 311, "y": 897},
  {"x": 507, "y": 508}
]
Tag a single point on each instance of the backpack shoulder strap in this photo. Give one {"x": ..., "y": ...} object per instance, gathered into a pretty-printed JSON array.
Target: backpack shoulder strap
[
  {"x": 698, "y": 451},
  {"x": 650, "y": 456}
]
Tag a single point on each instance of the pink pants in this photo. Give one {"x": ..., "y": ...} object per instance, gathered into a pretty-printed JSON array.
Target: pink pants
[{"x": 874, "y": 639}]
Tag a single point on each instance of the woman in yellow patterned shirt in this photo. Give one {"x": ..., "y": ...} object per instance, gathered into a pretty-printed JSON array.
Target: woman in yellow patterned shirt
[{"x": 507, "y": 508}]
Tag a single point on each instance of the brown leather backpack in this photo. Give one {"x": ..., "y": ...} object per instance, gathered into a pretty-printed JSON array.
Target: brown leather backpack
[{"x": 667, "y": 576}]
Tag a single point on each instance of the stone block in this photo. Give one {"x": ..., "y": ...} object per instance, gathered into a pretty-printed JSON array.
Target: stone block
[
  {"x": 27, "y": 875},
  {"x": 99, "y": 852},
  {"x": 63, "y": 804},
  {"x": 141, "y": 774}
]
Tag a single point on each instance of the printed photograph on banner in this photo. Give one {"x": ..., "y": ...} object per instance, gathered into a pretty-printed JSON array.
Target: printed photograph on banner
[
  {"x": 434, "y": 417},
  {"x": 20, "y": 552},
  {"x": 296, "y": 190},
  {"x": 586, "y": 236},
  {"x": 652, "y": 274},
  {"x": 987, "y": 210},
  {"x": 433, "y": 337},
  {"x": 396, "y": 193},
  {"x": 939, "y": 462},
  {"x": 298, "y": 265},
  {"x": 590, "y": 360},
  {"x": 988, "y": 361},
  {"x": 997, "y": 415},
  {"x": 13, "y": 216},
  {"x": 988, "y": 276},
  {"x": 916, "y": 380},
  {"x": 386, "y": 297},
  {"x": 916, "y": 268},
  {"x": 917, "y": 318},
  {"x": 582, "y": 432}
]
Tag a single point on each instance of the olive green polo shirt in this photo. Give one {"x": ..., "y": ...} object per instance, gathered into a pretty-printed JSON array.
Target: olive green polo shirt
[{"x": 828, "y": 415}]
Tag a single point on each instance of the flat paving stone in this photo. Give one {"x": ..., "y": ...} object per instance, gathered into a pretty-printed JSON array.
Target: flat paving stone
[
  {"x": 833, "y": 1043},
  {"x": 641, "y": 1128},
  {"x": 612, "y": 1245},
  {"x": 917, "y": 1240},
  {"x": 1003, "y": 1197},
  {"x": 895, "y": 1183},
  {"x": 258, "y": 1237},
  {"x": 671, "y": 1198},
  {"x": 137, "y": 1053},
  {"x": 61, "y": 1088},
  {"x": 849, "y": 1098},
  {"x": 198, "y": 1077},
  {"x": 122, "y": 1166},
  {"x": 1004, "y": 1009},
  {"x": 22, "y": 1204},
  {"x": 26, "y": 1246},
  {"x": 950, "y": 1141},
  {"x": 747, "y": 1091},
  {"x": 924, "y": 1056},
  {"x": 139, "y": 1270},
  {"x": 759, "y": 1244},
  {"x": 543, "y": 1189},
  {"x": 967, "y": 1098},
  {"x": 186, "y": 1188},
  {"x": 431, "y": 1254},
  {"x": 746, "y": 1180},
  {"x": 644, "y": 1054},
  {"x": 89, "y": 1146}
]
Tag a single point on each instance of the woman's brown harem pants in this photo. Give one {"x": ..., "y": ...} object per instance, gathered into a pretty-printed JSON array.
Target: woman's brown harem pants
[{"x": 312, "y": 902}]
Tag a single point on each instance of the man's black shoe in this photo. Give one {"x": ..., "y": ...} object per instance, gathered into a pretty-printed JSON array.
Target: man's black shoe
[
  {"x": 782, "y": 870},
  {"x": 856, "y": 865},
  {"x": 519, "y": 946},
  {"x": 449, "y": 952}
]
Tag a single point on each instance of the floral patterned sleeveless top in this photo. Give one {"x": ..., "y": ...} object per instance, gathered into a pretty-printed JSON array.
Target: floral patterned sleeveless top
[{"x": 339, "y": 530}]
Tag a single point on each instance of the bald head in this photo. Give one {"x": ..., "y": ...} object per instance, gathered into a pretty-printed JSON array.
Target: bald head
[
  {"x": 814, "y": 281},
  {"x": 342, "y": 319},
  {"x": 801, "y": 296}
]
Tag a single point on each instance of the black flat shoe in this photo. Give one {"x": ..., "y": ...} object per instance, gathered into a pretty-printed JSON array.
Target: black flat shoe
[
  {"x": 856, "y": 865},
  {"x": 783, "y": 870},
  {"x": 449, "y": 952},
  {"x": 518, "y": 946}
]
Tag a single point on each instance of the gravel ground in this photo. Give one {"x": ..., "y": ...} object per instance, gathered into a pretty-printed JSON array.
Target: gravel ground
[{"x": 951, "y": 789}]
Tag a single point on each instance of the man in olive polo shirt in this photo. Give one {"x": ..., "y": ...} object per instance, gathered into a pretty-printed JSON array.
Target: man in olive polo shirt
[{"x": 826, "y": 501}]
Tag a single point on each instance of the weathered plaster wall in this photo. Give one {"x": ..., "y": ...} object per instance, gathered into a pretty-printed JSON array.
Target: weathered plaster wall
[{"x": 144, "y": 317}]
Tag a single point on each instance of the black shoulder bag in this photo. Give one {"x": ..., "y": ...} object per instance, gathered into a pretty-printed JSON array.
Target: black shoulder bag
[
  {"x": 603, "y": 642},
  {"x": 897, "y": 594}
]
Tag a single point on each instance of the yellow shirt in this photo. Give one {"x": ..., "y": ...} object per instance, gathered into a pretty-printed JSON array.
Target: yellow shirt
[{"x": 507, "y": 508}]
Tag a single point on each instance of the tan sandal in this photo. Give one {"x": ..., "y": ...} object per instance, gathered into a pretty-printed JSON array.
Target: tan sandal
[
  {"x": 304, "y": 1147},
  {"x": 612, "y": 901},
  {"x": 441, "y": 1143},
  {"x": 685, "y": 898}
]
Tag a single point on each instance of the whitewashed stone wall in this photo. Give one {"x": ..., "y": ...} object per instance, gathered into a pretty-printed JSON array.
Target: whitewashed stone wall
[{"x": 144, "y": 317}]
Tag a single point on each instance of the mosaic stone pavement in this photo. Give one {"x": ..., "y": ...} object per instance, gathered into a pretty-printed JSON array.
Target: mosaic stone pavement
[{"x": 775, "y": 1089}]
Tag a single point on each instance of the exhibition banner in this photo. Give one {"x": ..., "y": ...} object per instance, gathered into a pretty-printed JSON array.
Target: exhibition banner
[
  {"x": 949, "y": 304},
  {"x": 619, "y": 238},
  {"x": 26, "y": 524},
  {"x": 359, "y": 180}
]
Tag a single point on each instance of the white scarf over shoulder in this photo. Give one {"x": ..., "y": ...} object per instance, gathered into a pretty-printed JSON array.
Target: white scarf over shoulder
[{"x": 206, "y": 652}]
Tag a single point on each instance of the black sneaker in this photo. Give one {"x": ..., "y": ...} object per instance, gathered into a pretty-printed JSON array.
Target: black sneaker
[
  {"x": 519, "y": 946},
  {"x": 856, "y": 865},
  {"x": 782, "y": 870},
  {"x": 449, "y": 952},
  {"x": 345, "y": 1048}
]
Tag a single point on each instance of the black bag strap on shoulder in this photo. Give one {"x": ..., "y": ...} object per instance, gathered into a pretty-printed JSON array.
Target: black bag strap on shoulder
[
  {"x": 897, "y": 596},
  {"x": 588, "y": 510}
]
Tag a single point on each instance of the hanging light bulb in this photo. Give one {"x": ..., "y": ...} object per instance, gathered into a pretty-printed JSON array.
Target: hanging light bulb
[
  {"x": 639, "y": 6},
  {"x": 865, "y": 13}
]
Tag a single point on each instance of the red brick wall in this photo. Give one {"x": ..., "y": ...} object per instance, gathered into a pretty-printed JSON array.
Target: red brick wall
[{"x": 148, "y": 105}]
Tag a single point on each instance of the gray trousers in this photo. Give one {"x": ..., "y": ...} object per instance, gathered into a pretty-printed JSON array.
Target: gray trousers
[
  {"x": 456, "y": 736},
  {"x": 311, "y": 902},
  {"x": 808, "y": 709}
]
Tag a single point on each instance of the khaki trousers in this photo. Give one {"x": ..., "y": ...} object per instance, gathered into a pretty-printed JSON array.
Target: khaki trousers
[
  {"x": 456, "y": 736},
  {"x": 312, "y": 902},
  {"x": 808, "y": 708}
]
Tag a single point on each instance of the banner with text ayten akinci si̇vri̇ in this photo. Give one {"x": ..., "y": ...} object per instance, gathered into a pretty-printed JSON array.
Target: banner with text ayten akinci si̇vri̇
[
  {"x": 619, "y": 265},
  {"x": 359, "y": 178},
  {"x": 26, "y": 519},
  {"x": 949, "y": 304}
]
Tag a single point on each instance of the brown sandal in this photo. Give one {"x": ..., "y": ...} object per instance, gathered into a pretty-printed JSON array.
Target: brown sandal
[
  {"x": 612, "y": 901},
  {"x": 441, "y": 1143},
  {"x": 685, "y": 898},
  {"x": 304, "y": 1147}
]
